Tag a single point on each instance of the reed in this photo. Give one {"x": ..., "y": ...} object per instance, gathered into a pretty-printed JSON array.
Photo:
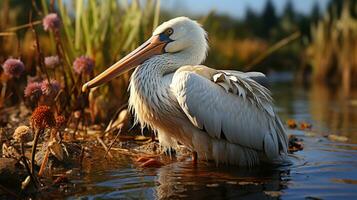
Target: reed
[
  {"x": 333, "y": 48},
  {"x": 105, "y": 31}
]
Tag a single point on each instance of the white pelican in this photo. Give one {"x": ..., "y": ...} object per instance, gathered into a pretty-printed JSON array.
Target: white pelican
[{"x": 221, "y": 115}]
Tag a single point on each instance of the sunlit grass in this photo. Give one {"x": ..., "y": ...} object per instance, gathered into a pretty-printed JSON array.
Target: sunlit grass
[{"x": 333, "y": 48}]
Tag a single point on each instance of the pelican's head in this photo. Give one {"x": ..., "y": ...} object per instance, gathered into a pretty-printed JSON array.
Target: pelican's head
[
  {"x": 184, "y": 35},
  {"x": 180, "y": 38}
]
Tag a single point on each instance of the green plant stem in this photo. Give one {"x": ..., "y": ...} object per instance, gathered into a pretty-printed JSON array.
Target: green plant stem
[
  {"x": 38, "y": 132},
  {"x": 3, "y": 90},
  {"x": 44, "y": 6},
  {"x": 39, "y": 52},
  {"x": 27, "y": 167},
  {"x": 156, "y": 15},
  {"x": 79, "y": 7}
]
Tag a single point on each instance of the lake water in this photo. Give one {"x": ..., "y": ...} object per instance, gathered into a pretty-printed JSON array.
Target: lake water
[{"x": 323, "y": 170}]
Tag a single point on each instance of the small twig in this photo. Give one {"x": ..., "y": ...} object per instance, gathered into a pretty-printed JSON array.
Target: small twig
[
  {"x": 111, "y": 145},
  {"x": 16, "y": 28},
  {"x": 40, "y": 57},
  {"x": 33, "y": 151},
  {"x": 104, "y": 146},
  {"x": 272, "y": 49},
  {"x": 52, "y": 5},
  {"x": 61, "y": 54},
  {"x": 44, "y": 163},
  {"x": 75, "y": 85},
  {"x": 7, "y": 34},
  {"x": 34, "y": 5}
]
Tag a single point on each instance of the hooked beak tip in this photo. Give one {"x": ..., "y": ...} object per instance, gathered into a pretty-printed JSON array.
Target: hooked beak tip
[{"x": 85, "y": 87}]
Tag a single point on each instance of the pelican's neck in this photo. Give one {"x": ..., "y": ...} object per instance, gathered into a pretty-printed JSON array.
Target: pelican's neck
[
  {"x": 149, "y": 95},
  {"x": 147, "y": 78}
]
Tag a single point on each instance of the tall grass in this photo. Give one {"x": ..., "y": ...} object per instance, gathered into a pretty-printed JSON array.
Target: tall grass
[
  {"x": 333, "y": 49},
  {"x": 106, "y": 31}
]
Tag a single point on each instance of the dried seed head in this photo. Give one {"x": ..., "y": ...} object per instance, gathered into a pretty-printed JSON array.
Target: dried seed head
[
  {"x": 13, "y": 67},
  {"x": 83, "y": 65},
  {"x": 33, "y": 90},
  {"x": 42, "y": 117},
  {"x": 60, "y": 121},
  {"x": 51, "y": 22},
  {"x": 52, "y": 61},
  {"x": 22, "y": 134},
  {"x": 51, "y": 88}
]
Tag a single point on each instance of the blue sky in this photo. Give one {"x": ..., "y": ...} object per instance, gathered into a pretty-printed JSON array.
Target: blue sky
[{"x": 235, "y": 8}]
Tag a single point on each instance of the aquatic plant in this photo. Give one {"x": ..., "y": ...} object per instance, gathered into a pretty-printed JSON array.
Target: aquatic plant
[
  {"x": 333, "y": 47},
  {"x": 13, "y": 67}
]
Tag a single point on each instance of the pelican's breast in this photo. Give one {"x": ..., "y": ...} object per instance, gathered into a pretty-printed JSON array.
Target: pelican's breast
[{"x": 151, "y": 99}]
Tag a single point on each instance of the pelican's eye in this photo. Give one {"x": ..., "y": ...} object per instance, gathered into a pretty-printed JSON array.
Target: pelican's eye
[
  {"x": 165, "y": 36},
  {"x": 169, "y": 31}
]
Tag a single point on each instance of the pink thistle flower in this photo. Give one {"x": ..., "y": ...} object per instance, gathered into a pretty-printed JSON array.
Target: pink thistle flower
[
  {"x": 33, "y": 90},
  {"x": 13, "y": 67},
  {"x": 50, "y": 88},
  {"x": 51, "y": 22},
  {"x": 83, "y": 64},
  {"x": 51, "y": 61}
]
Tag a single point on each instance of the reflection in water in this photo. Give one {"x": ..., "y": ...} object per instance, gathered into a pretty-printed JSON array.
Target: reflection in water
[
  {"x": 184, "y": 180},
  {"x": 328, "y": 109},
  {"x": 334, "y": 110}
]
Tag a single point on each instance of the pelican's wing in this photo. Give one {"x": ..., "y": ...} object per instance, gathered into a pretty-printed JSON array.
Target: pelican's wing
[{"x": 231, "y": 107}]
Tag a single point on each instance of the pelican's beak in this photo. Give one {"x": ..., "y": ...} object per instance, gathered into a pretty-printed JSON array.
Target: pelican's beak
[{"x": 154, "y": 46}]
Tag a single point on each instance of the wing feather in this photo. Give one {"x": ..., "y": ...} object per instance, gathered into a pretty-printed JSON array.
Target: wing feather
[{"x": 234, "y": 105}]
